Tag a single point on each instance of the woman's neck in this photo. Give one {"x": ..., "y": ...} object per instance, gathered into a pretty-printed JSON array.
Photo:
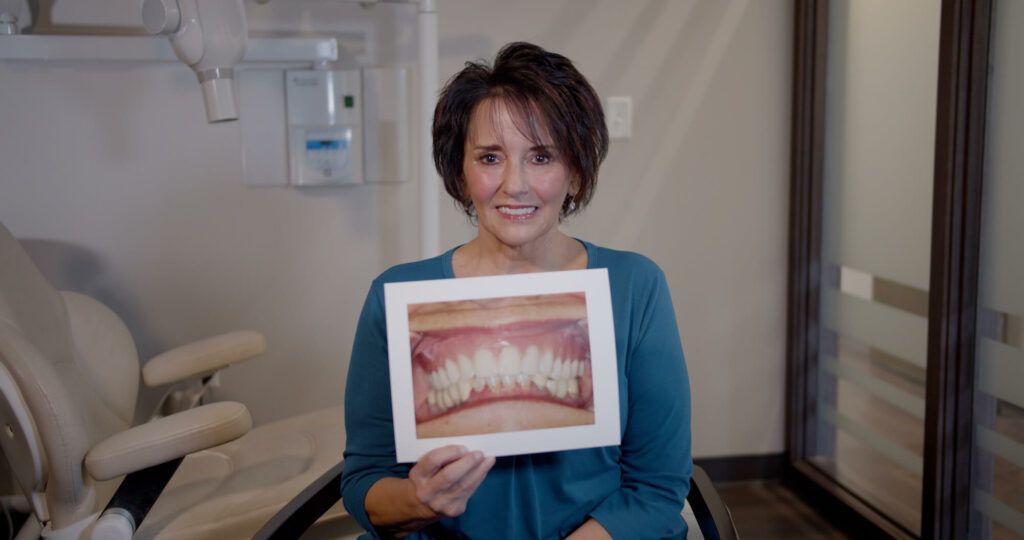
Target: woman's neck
[{"x": 487, "y": 256}]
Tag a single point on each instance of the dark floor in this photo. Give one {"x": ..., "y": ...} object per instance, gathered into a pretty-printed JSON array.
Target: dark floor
[{"x": 768, "y": 511}]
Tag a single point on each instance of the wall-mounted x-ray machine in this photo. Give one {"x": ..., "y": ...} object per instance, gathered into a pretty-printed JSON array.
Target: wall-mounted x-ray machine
[
  {"x": 351, "y": 127},
  {"x": 210, "y": 38}
]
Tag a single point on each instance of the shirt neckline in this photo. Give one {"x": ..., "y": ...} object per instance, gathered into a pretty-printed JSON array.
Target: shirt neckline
[{"x": 449, "y": 272}]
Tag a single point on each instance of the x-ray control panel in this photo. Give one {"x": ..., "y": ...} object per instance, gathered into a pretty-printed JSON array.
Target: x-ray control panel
[{"x": 324, "y": 127}]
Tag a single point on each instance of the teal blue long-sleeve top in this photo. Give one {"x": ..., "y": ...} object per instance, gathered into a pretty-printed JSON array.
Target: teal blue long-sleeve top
[{"x": 634, "y": 490}]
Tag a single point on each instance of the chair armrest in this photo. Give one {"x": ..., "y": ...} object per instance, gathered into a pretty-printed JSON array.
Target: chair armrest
[
  {"x": 167, "y": 438},
  {"x": 302, "y": 512},
  {"x": 712, "y": 515},
  {"x": 203, "y": 357}
]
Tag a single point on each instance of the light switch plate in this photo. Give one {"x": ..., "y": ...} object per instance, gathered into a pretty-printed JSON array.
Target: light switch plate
[{"x": 619, "y": 115}]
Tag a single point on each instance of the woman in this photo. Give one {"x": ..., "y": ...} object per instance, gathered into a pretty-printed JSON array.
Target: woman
[{"x": 518, "y": 146}]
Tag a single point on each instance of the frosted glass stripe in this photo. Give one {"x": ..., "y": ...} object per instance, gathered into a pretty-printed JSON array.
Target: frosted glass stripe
[
  {"x": 856, "y": 283},
  {"x": 905, "y": 458},
  {"x": 998, "y": 511},
  {"x": 1001, "y": 371},
  {"x": 1001, "y": 445},
  {"x": 889, "y": 393},
  {"x": 894, "y": 331}
]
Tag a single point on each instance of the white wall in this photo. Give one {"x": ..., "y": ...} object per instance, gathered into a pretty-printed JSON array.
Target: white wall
[{"x": 141, "y": 203}]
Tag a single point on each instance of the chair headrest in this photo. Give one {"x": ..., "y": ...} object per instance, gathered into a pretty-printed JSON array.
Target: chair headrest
[{"x": 28, "y": 302}]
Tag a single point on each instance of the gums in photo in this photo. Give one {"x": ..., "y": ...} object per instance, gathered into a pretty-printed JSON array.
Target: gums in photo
[{"x": 500, "y": 364}]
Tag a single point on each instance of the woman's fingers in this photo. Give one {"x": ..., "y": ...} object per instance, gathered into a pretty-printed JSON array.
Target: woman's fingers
[
  {"x": 471, "y": 480},
  {"x": 449, "y": 477},
  {"x": 446, "y": 477},
  {"x": 452, "y": 501},
  {"x": 434, "y": 460}
]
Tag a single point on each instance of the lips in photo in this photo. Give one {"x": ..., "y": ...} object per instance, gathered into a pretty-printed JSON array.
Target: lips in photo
[{"x": 501, "y": 364}]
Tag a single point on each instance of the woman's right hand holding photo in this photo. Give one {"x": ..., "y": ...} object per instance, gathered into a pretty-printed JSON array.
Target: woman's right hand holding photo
[
  {"x": 446, "y": 477},
  {"x": 438, "y": 486}
]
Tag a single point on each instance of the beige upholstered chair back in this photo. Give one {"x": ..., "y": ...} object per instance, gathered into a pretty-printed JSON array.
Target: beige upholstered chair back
[{"x": 76, "y": 368}]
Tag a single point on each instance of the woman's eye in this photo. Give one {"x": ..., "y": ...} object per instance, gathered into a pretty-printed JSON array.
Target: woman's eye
[
  {"x": 488, "y": 158},
  {"x": 542, "y": 159}
]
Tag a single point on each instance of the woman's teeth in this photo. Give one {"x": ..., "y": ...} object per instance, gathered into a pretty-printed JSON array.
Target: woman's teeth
[
  {"x": 452, "y": 383},
  {"x": 520, "y": 211}
]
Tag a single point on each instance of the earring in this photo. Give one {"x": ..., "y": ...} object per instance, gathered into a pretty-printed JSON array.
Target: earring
[{"x": 571, "y": 207}]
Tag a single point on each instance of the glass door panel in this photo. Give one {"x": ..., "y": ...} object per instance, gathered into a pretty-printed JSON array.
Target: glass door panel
[
  {"x": 997, "y": 496},
  {"x": 876, "y": 216}
]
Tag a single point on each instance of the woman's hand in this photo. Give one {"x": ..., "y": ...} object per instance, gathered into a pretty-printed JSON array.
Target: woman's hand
[
  {"x": 439, "y": 485},
  {"x": 590, "y": 529},
  {"x": 446, "y": 477}
]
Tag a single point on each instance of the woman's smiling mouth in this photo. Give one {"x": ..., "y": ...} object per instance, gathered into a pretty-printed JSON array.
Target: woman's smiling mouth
[{"x": 517, "y": 213}]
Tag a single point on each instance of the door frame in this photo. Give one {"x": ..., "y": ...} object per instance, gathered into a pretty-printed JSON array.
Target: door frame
[{"x": 962, "y": 86}]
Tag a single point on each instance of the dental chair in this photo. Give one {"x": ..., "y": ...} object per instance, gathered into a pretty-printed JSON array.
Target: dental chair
[
  {"x": 69, "y": 377},
  {"x": 68, "y": 385}
]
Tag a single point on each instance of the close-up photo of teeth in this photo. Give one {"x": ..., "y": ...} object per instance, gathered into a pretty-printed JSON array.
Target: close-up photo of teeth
[{"x": 500, "y": 364}]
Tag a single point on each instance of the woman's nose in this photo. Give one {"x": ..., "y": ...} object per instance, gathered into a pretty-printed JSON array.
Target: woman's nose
[{"x": 514, "y": 181}]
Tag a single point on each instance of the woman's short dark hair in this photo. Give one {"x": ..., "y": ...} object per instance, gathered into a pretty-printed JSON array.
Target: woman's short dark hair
[{"x": 543, "y": 89}]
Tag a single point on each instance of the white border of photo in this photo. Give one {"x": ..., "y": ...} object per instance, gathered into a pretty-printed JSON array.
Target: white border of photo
[{"x": 604, "y": 431}]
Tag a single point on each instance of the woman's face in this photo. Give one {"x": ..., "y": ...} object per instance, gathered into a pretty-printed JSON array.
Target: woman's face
[{"x": 517, "y": 185}]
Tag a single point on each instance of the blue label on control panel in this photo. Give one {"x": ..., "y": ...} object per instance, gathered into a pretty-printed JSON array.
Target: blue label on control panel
[{"x": 327, "y": 144}]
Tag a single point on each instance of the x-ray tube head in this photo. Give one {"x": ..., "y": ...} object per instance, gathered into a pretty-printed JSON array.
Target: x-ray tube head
[{"x": 209, "y": 36}]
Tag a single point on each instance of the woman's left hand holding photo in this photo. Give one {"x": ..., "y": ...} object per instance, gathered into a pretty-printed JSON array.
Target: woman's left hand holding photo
[{"x": 439, "y": 486}]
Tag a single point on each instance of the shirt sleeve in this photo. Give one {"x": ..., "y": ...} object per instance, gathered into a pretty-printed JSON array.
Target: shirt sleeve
[
  {"x": 370, "y": 443},
  {"x": 655, "y": 462}
]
